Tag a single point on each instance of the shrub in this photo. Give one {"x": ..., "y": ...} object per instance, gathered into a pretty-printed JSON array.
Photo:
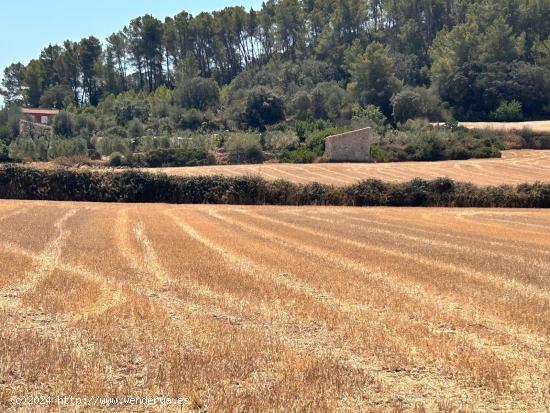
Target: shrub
[
  {"x": 263, "y": 107},
  {"x": 281, "y": 192},
  {"x": 244, "y": 148},
  {"x": 414, "y": 192},
  {"x": 14, "y": 116},
  {"x": 416, "y": 103},
  {"x": 328, "y": 100},
  {"x": 5, "y": 136},
  {"x": 534, "y": 140},
  {"x": 85, "y": 124},
  {"x": 117, "y": 159},
  {"x": 4, "y": 153},
  {"x": 301, "y": 105},
  {"x": 431, "y": 148},
  {"x": 407, "y": 104},
  {"x": 191, "y": 119},
  {"x": 23, "y": 149},
  {"x": 368, "y": 116},
  {"x": 367, "y": 193},
  {"x": 315, "y": 141},
  {"x": 508, "y": 111},
  {"x": 198, "y": 93},
  {"x": 109, "y": 144},
  {"x": 117, "y": 131},
  {"x": 187, "y": 118},
  {"x": 378, "y": 154},
  {"x": 178, "y": 157},
  {"x": 417, "y": 141},
  {"x": 94, "y": 155},
  {"x": 41, "y": 149},
  {"x": 305, "y": 128},
  {"x": 315, "y": 193},
  {"x": 63, "y": 124},
  {"x": 135, "y": 128},
  {"x": 300, "y": 129},
  {"x": 301, "y": 155},
  {"x": 279, "y": 141},
  {"x": 130, "y": 106},
  {"x": 67, "y": 148}
]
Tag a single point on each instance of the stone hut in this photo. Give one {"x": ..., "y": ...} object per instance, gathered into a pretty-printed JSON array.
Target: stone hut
[{"x": 353, "y": 146}]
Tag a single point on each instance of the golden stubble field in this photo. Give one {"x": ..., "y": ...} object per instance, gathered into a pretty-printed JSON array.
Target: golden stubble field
[
  {"x": 515, "y": 167},
  {"x": 276, "y": 308},
  {"x": 538, "y": 126}
]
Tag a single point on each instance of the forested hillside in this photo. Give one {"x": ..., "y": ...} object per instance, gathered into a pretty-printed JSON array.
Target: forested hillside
[{"x": 310, "y": 61}]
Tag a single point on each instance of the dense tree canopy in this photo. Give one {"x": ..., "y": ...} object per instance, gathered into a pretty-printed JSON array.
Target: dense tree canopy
[{"x": 473, "y": 55}]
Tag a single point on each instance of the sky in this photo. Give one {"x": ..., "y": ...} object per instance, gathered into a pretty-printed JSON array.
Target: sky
[{"x": 26, "y": 27}]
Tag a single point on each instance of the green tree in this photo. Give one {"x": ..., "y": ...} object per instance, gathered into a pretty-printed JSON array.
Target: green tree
[
  {"x": 301, "y": 105},
  {"x": 414, "y": 103},
  {"x": 508, "y": 111},
  {"x": 204, "y": 43},
  {"x": 49, "y": 57},
  {"x": 169, "y": 43},
  {"x": 12, "y": 83},
  {"x": 368, "y": 116},
  {"x": 151, "y": 46},
  {"x": 117, "y": 45},
  {"x": 89, "y": 60},
  {"x": 500, "y": 44},
  {"x": 452, "y": 50},
  {"x": 263, "y": 108},
  {"x": 198, "y": 93},
  {"x": 68, "y": 67},
  {"x": 541, "y": 52},
  {"x": 131, "y": 105},
  {"x": 56, "y": 96},
  {"x": 374, "y": 81},
  {"x": 34, "y": 83},
  {"x": 13, "y": 118},
  {"x": 289, "y": 19}
]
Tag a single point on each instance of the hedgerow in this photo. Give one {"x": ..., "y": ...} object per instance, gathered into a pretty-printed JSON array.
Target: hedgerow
[{"x": 19, "y": 182}]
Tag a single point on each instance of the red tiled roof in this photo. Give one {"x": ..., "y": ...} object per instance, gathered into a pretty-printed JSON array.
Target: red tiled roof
[{"x": 40, "y": 111}]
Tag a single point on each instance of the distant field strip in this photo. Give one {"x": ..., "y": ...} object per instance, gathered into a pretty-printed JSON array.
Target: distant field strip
[
  {"x": 513, "y": 168},
  {"x": 539, "y": 126},
  {"x": 243, "y": 308}
]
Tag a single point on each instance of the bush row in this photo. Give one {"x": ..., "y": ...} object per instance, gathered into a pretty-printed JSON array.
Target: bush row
[
  {"x": 524, "y": 139},
  {"x": 418, "y": 142},
  {"x": 164, "y": 157},
  {"x": 18, "y": 182}
]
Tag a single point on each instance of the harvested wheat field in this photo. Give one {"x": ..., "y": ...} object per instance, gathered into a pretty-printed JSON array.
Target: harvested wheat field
[
  {"x": 513, "y": 168},
  {"x": 276, "y": 308},
  {"x": 538, "y": 126}
]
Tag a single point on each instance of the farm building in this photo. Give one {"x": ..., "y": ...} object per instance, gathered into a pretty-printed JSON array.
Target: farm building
[
  {"x": 353, "y": 146},
  {"x": 40, "y": 115}
]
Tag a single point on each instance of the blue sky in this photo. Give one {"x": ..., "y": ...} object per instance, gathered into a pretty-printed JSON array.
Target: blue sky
[{"x": 26, "y": 27}]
